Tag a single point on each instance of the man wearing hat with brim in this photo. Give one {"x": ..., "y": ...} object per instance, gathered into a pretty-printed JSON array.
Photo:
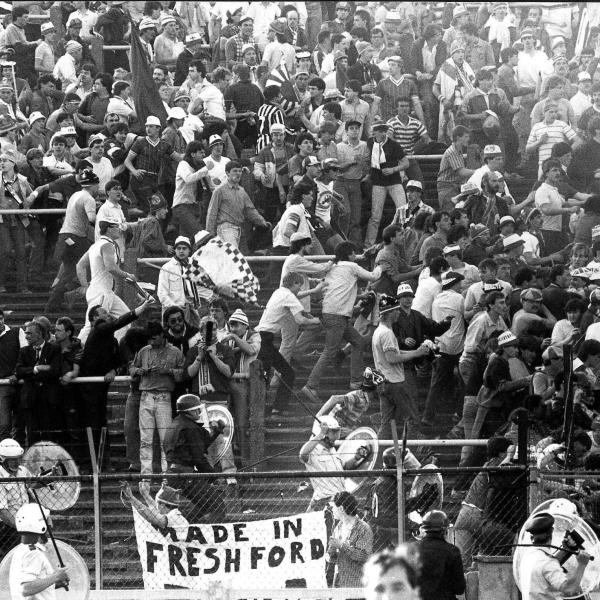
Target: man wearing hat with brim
[
  {"x": 415, "y": 204},
  {"x": 337, "y": 77},
  {"x": 193, "y": 50},
  {"x": 512, "y": 248},
  {"x": 540, "y": 572},
  {"x": 394, "y": 401},
  {"x": 364, "y": 71},
  {"x": 148, "y": 32},
  {"x": 73, "y": 240},
  {"x": 533, "y": 318},
  {"x": 145, "y": 160},
  {"x": 460, "y": 16},
  {"x": 493, "y": 160},
  {"x": 582, "y": 99},
  {"x": 44, "y": 53},
  {"x": 499, "y": 391}
]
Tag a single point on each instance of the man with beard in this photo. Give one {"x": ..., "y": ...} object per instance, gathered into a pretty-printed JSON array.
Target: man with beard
[{"x": 487, "y": 208}]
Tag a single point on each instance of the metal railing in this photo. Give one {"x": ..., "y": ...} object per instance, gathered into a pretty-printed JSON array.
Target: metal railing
[{"x": 264, "y": 517}]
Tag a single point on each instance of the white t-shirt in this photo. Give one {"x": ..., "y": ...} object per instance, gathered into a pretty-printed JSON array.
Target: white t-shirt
[
  {"x": 547, "y": 195},
  {"x": 532, "y": 244},
  {"x": 325, "y": 459},
  {"x": 427, "y": 290},
  {"x": 593, "y": 332},
  {"x": 216, "y": 174},
  {"x": 281, "y": 303},
  {"x": 29, "y": 565},
  {"x": 104, "y": 170},
  {"x": 385, "y": 340}
]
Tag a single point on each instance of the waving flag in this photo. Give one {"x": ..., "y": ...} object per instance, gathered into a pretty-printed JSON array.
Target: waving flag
[
  {"x": 218, "y": 263},
  {"x": 145, "y": 95}
]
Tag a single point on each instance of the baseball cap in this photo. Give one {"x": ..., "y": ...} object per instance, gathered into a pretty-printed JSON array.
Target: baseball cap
[
  {"x": 454, "y": 248},
  {"x": 36, "y": 115},
  {"x": 450, "y": 278},
  {"x": 415, "y": 184},
  {"x": 512, "y": 241},
  {"x": 404, "y": 290},
  {"x": 311, "y": 161},
  {"x": 277, "y": 128},
  {"x": 152, "y": 120},
  {"x": 176, "y": 113},
  {"x": 583, "y": 76},
  {"x": 492, "y": 150},
  {"x": 45, "y": 27},
  {"x": 507, "y": 339},
  {"x": 506, "y": 219},
  {"x": 215, "y": 139},
  {"x": 181, "y": 239}
]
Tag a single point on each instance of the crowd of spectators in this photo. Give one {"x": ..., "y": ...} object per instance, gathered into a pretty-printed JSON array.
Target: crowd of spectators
[{"x": 287, "y": 127}]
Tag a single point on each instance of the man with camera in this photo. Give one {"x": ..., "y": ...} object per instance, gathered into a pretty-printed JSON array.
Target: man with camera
[{"x": 542, "y": 571}]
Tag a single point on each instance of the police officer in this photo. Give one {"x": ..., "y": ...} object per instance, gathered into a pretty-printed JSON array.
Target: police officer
[
  {"x": 186, "y": 444},
  {"x": 542, "y": 575},
  {"x": 31, "y": 575},
  {"x": 12, "y": 495},
  {"x": 442, "y": 570}
]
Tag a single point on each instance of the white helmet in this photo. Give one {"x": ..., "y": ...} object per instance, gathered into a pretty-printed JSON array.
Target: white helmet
[
  {"x": 29, "y": 519},
  {"x": 562, "y": 506},
  {"x": 10, "y": 448}
]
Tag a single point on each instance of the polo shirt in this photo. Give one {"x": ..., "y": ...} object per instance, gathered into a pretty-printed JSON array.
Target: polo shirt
[
  {"x": 558, "y": 131},
  {"x": 149, "y": 155},
  {"x": 389, "y": 90}
]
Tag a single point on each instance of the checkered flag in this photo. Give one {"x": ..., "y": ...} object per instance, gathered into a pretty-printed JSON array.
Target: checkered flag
[{"x": 218, "y": 263}]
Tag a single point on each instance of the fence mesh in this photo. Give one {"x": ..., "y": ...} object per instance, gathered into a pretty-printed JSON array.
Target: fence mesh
[{"x": 266, "y": 530}]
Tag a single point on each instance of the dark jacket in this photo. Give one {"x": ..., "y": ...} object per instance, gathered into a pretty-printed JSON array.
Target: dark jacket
[
  {"x": 101, "y": 352},
  {"x": 46, "y": 381},
  {"x": 416, "y": 326},
  {"x": 9, "y": 351},
  {"x": 186, "y": 444},
  {"x": 554, "y": 298},
  {"x": 416, "y": 56},
  {"x": 442, "y": 575},
  {"x": 368, "y": 73},
  {"x": 112, "y": 26}
]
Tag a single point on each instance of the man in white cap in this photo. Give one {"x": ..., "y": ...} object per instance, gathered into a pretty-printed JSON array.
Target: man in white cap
[
  {"x": 245, "y": 344},
  {"x": 145, "y": 159},
  {"x": 65, "y": 69},
  {"x": 460, "y": 16},
  {"x": 173, "y": 135},
  {"x": 175, "y": 290},
  {"x": 448, "y": 305},
  {"x": 582, "y": 100},
  {"x": 192, "y": 51},
  {"x": 166, "y": 45},
  {"x": 215, "y": 162},
  {"x": 44, "y": 53}
]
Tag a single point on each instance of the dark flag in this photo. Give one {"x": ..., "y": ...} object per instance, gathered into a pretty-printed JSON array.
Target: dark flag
[{"x": 145, "y": 95}]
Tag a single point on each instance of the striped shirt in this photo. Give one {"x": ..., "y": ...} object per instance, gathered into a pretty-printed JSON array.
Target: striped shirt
[
  {"x": 390, "y": 90},
  {"x": 558, "y": 131},
  {"x": 451, "y": 163},
  {"x": 268, "y": 114},
  {"x": 407, "y": 134},
  {"x": 150, "y": 156}
]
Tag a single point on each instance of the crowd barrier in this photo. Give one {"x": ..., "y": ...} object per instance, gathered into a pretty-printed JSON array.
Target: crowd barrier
[{"x": 260, "y": 532}]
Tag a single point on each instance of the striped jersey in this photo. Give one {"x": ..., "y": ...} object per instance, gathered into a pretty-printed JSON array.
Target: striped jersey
[
  {"x": 390, "y": 90},
  {"x": 267, "y": 115},
  {"x": 407, "y": 134},
  {"x": 558, "y": 131}
]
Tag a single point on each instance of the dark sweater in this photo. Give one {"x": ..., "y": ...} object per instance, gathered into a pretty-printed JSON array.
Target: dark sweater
[{"x": 9, "y": 352}]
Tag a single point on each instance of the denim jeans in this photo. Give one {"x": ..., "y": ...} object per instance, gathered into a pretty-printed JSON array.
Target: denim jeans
[
  {"x": 230, "y": 233},
  {"x": 132, "y": 428},
  {"x": 240, "y": 402},
  {"x": 338, "y": 328},
  {"x": 155, "y": 414},
  {"x": 351, "y": 190},
  {"x": 377, "y": 201},
  {"x": 188, "y": 219},
  {"x": 270, "y": 357}
]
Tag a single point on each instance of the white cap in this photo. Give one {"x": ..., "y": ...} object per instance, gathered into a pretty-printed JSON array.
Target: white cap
[
  {"x": 29, "y": 519},
  {"x": 10, "y": 448},
  {"x": 147, "y": 23},
  {"x": 176, "y": 113},
  {"x": 404, "y": 290},
  {"x": 506, "y": 219},
  {"x": 492, "y": 150},
  {"x": 152, "y": 120},
  {"x": 583, "y": 76},
  {"x": 202, "y": 236},
  {"x": 278, "y": 128},
  {"x": 214, "y": 139},
  {"x": 36, "y": 115},
  {"x": 414, "y": 183},
  {"x": 192, "y": 38},
  {"x": 70, "y": 130},
  {"x": 506, "y": 338},
  {"x": 182, "y": 239},
  {"x": 72, "y": 45},
  {"x": 45, "y": 27}
]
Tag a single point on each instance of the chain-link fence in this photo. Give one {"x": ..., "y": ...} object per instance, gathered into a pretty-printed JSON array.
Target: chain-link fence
[{"x": 265, "y": 530}]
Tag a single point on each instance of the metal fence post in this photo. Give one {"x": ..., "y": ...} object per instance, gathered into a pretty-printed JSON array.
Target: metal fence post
[
  {"x": 256, "y": 432},
  {"x": 399, "y": 482},
  {"x": 97, "y": 513}
]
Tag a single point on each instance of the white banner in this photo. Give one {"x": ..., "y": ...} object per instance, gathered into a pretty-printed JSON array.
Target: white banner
[{"x": 247, "y": 555}]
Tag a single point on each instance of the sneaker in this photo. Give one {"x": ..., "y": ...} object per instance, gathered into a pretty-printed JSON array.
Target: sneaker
[{"x": 310, "y": 393}]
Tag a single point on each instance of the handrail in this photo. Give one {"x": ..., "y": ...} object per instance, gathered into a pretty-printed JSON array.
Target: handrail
[
  {"x": 33, "y": 211},
  {"x": 255, "y": 259},
  {"x": 100, "y": 379}
]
